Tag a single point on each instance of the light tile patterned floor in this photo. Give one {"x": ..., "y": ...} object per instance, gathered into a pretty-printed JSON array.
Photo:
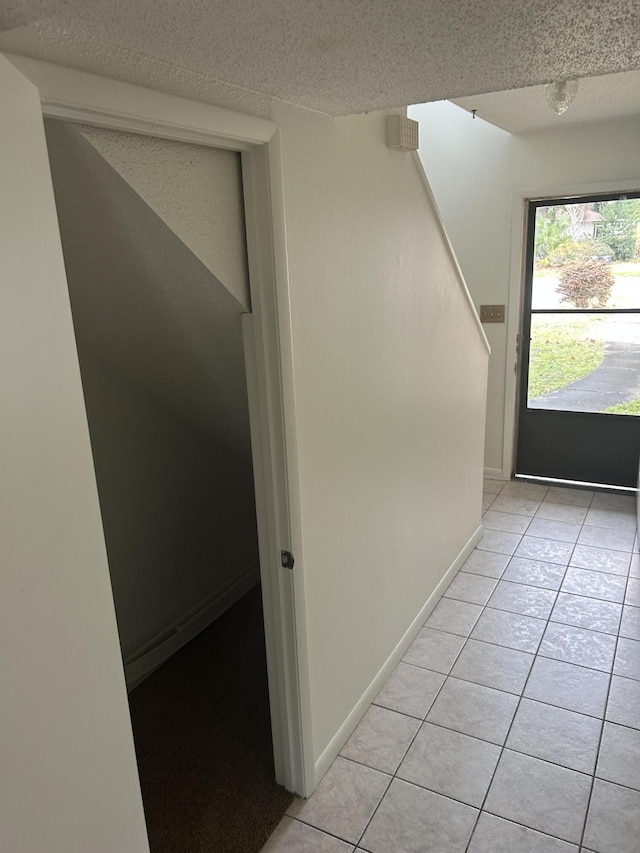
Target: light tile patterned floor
[{"x": 512, "y": 725}]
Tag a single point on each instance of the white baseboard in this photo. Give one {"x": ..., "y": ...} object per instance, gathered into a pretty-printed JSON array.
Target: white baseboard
[
  {"x": 494, "y": 474},
  {"x": 142, "y": 663},
  {"x": 342, "y": 735}
]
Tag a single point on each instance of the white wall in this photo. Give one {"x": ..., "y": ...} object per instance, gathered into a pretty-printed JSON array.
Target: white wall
[
  {"x": 177, "y": 507},
  {"x": 480, "y": 175},
  {"x": 196, "y": 191},
  {"x": 69, "y": 782},
  {"x": 389, "y": 373},
  {"x": 576, "y": 157},
  {"x": 467, "y": 162},
  {"x": 390, "y": 383}
]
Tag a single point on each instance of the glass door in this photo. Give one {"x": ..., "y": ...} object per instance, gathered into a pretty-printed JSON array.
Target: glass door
[{"x": 580, "y": 346}]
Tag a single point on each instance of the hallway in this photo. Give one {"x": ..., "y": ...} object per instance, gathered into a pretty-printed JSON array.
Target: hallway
[{"x": 512, "y": 724}]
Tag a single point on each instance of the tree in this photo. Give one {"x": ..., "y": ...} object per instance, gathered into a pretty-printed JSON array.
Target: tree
[
  {"x": 551, "y": 229},
  {"x": 576, "y": 215},
  {"x": 620, "y": 226}
]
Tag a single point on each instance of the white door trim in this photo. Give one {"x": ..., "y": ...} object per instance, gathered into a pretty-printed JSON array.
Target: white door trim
[{"x": 90, "y": 99}]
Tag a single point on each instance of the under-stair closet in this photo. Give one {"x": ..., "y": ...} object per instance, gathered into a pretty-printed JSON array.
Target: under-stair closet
[{"x": 154, "y": 247}]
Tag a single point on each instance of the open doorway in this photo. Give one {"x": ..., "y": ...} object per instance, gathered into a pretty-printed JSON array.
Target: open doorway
[
  {"x": 160, "y": 348},
  {"x": 580, "y": 356}
]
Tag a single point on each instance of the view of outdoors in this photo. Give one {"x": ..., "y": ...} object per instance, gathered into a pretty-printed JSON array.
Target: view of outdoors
[{"x": 587, "y": 257}]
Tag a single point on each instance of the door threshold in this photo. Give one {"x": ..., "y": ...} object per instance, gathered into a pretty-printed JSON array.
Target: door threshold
[{"x": 576, "y": 484}]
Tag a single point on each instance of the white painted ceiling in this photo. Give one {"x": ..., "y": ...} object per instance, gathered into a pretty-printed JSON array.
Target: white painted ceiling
[
  {"x": 336, "y": 56},
  {"x": 521, "y": 110}
]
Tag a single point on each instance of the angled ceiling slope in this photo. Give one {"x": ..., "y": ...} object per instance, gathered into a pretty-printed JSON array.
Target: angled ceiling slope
[
  {"x": 335, "y": 56},
  {"x": 142, "y": 302}
]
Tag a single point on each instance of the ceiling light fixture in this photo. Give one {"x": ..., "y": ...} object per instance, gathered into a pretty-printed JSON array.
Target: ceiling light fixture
[{"x": 560, "y": 95}]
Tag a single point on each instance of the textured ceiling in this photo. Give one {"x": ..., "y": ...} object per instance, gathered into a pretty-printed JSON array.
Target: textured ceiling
[
  {"x": 598, "y": 99},
  {"x": 196, "y": 191},
  {"x": 336, "y": 56}
]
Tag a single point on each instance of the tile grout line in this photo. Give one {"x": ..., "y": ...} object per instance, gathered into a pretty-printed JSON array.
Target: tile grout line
[
  {"x": 498, "y": 646},
  {"x": 610, "y": 674},
  {"x": 522, "y": 583},
  {"x": 604, "y": 720},
  {"x": 551, "y": 563},
  {"x": 558, "y": 592},
  {"x": 560, "y": 541},
  {"x": 587, "y": 773},
  {"x": 537, "y": 655},
  {"x": 521, "y": 697},
  {"x": 321, "y": 831},
  {"x": 462, "y": 802},
  {"x": 447, "y": 675},
  {"x": 422, "y": 722}
]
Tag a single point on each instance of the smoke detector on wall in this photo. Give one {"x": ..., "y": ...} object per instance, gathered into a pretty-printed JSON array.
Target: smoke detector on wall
[{"x": 402, "y": 133}]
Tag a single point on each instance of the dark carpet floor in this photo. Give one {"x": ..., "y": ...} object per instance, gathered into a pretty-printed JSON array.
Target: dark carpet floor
[{"x": 203, "y": 740}]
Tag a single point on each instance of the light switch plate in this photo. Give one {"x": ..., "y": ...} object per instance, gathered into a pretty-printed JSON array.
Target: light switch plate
[{"x": 492, "y": 313}]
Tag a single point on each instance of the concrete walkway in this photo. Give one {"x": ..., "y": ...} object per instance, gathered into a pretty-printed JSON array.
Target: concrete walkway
[{"x": 617, "y": 380}]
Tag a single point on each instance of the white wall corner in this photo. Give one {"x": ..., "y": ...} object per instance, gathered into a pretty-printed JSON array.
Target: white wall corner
[{"x": 495, "y": 474}]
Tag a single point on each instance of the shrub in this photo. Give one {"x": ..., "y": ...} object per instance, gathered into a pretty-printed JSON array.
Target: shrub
[
  {"x": 570, "y": 251},
  {"x": 586, "y": 284}
]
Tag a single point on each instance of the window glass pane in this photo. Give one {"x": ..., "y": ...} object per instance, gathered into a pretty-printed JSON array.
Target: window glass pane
[
  {"x": 585, "y": 363},
  {"x": 586, "y": 255}
]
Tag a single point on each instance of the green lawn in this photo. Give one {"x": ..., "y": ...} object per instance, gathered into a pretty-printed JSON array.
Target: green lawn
[
  {"x": 626, "y": 268},
  {"x": 560, "y": 354},
  {"x": 632, "y": 407}
]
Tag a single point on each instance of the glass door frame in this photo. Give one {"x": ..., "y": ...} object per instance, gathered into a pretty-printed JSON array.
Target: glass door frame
[{"x": 568, "y": 435}]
